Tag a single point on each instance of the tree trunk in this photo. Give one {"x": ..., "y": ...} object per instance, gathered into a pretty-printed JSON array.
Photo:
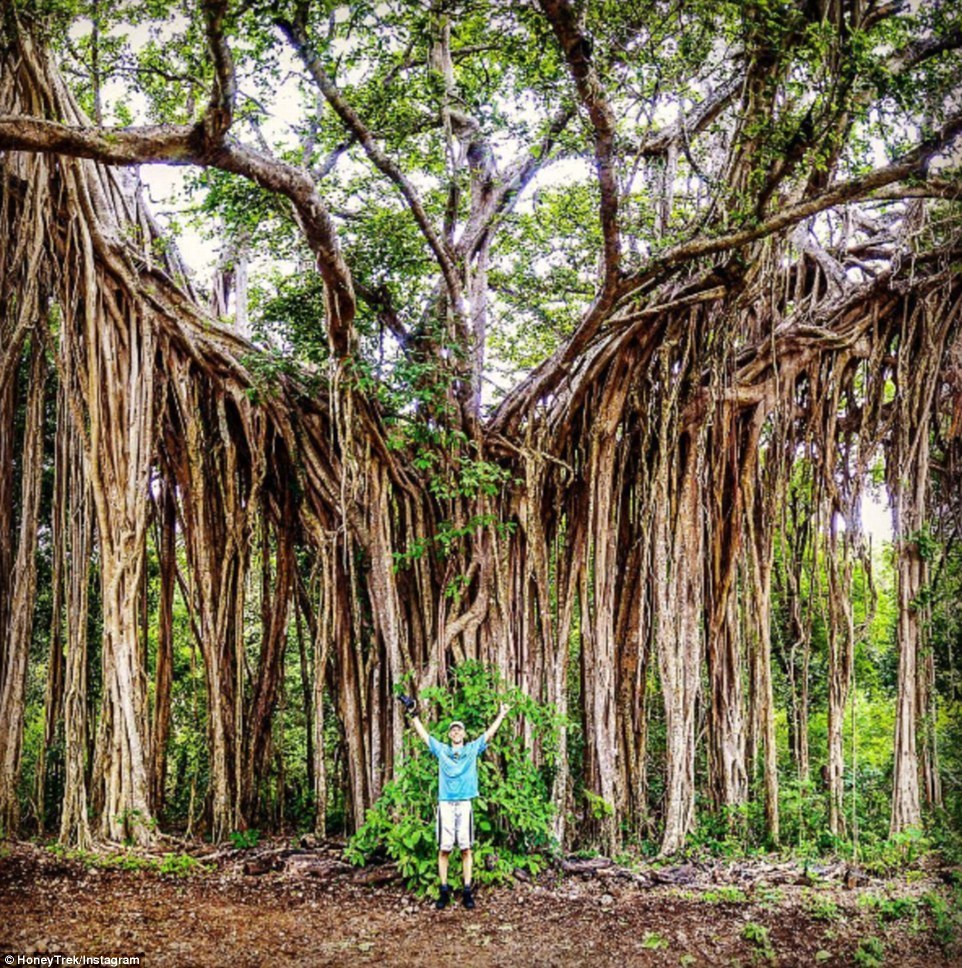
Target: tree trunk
[
  {"x": 906, "y": 806},
  {"x": 53, "y": 697},
  {"x": 599, "y": 595},
  {"x": 74, "y": 825},
  {"x": 166, "y": 514},
  {"x": 728, "y": 779},
  {"x": 920, "y": 346},
  {"x": 274, "y": 612},
  {"x": 22, "y": 596},
  {"x": 841, "y": 654},
  {"x": 928, "y": 718},
  {"x": 764, "y": 490},
  {"x": 678, "y": 597},
  {"x": 216, "y": 501}
]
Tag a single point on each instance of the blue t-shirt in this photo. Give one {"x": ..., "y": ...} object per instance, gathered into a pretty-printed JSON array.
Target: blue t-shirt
[{"x": 457, "y": 770}]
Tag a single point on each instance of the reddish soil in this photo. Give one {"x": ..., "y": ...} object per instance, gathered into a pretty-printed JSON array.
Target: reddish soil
[{"x": 49, "y": 905}]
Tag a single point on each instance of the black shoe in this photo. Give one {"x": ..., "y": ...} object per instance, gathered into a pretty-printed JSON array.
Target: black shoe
[
  {"x": 444, "y": 897},
  {"x": 467, "y": 898}
]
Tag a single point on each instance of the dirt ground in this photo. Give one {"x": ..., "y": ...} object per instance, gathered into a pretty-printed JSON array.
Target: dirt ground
[{"x": 50, "y": 905}]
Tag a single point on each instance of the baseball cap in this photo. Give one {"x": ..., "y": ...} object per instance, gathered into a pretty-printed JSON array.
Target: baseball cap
[{"x": 457, "y": 722}]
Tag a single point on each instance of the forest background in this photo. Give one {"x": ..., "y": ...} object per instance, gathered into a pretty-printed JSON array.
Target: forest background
[{"x": 551, "y": 350}]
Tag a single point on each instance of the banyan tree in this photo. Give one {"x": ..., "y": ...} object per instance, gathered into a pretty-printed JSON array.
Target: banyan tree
[{"x": 573, "y": 307}]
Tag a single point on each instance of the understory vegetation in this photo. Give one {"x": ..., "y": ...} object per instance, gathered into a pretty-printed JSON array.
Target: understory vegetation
[{"x": 512, "y": 817}]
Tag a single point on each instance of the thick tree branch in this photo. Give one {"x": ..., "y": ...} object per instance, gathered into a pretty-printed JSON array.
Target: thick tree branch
[
  {"x": 150, "y": 144},
  {"x": 912, "y": 165},
  {"x": 924, "y": 49},
  {"x": 693, "y": 123},
  {"x": 946, "y": 188},
  {"x": 220, "y": 112},
  {"x": 509, "y": 186},
  {"x": 543, "y": 380},
  {"x": 577, "y": 51},
  {"x": 296, "y": 34},
  {"x": 188, "y": 145}
]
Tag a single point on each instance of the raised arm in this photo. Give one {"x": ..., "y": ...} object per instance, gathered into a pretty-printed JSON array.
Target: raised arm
[
  {"x": 493, "y": 728},
  {"x": 411, "y": 711},
  {"x": 419, "y": 729}
]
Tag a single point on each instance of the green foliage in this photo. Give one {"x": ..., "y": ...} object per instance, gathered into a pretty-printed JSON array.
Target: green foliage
[
  {"x": 513, "y": 813},
  {"x": 598, "y": 807},
  {"x": 171, "y": 864},
  {"x": 898, "y": 851},
  {"x": 289, "y": 312},
  {"x": 945, "y": 909},
  {"x": 725, "y": 895},
  {"x": 181, "y": 865},
  {"x": 133, "y": 818},
  {"x": 730, "y": 831},
  {"x": 445, "y": 541},
  {"x": 870, "y": 953},
  {"x": 768, "y": 898},
  {"x": 890, "y": 908},
  {"x": 927, "y": 543},
  {"x": 653, "y": 941},
  {"x": 544, "y": 273},
  {"x": 757, "y": 935},
  {"x": 245, "y": 839},
  {"x": 821, "y": 907},
  {"x": 267, "y": 370}
]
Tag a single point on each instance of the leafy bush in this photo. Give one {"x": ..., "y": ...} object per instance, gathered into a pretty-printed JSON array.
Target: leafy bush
[
  {"x": 725, "y": 895},
  {"x": 178, "y": 865},
  {"x": 946, "y": 911},
  {"x": 890, "y": 908},
  {"x": 720, "y": 833},
  {"x": 653, "y": 941},
  {"x": 513, "y": 814},
  {"x": 899, "y": 851},
  {"x": 244, "y": 839},
  {"x": 821, "y": 908},
  {"x": 181, "y": 865},
  {"x": 758, "y": 936},
  {"x": 870, "y": 953}
]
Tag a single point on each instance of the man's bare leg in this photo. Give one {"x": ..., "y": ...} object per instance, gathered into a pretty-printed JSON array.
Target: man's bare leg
[
  {"x": 444, "y": 895},
  {"x": 467, "y": 897}
]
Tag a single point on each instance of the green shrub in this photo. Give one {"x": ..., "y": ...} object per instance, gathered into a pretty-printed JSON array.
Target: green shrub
[
  {"x": 870, "y": 953},
  {"x": 178, "y": 865},
  {"x": 244, "y": 839},
  {"x": 769, "y": 898},
  {"x": 725, "y": 895},
  {"x": 896, "y": 852},
  {"x": 181, "y": 865},
  {"x": 653, "y": 941},
  {"x": 890, "y": 908},
  {"x": 757, "y": 935},
  {"x": 513, "y": 814},
  {"x": 821, "y": 908},
  {"x": 946, "y": 914}
]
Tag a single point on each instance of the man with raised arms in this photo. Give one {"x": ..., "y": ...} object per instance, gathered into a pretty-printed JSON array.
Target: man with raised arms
[{"x": 457, "y": 788}]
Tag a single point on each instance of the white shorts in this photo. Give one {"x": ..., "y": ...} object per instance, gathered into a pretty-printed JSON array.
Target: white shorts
[{"x": 454, "y": 825}]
